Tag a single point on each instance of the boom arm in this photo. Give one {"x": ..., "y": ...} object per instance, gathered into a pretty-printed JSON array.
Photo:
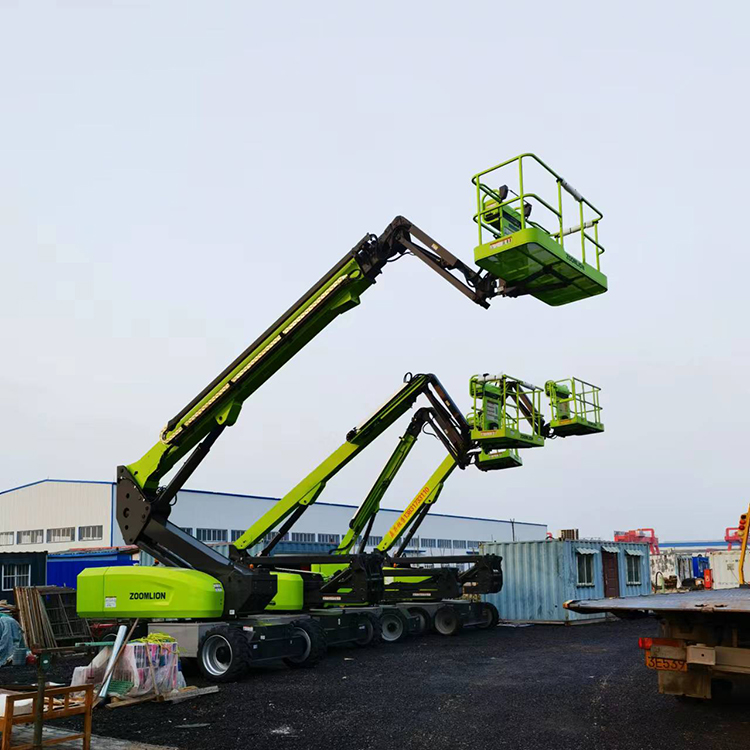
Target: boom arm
[
  {"x": 410, "y": 520},
  {"x": 450, "y": 426},
  {"x": 219, "y": 403},
  {"x": 143, "y": 508}
]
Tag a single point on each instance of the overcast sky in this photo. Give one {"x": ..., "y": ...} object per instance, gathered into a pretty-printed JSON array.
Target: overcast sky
[{"x": 173, "y": 175}]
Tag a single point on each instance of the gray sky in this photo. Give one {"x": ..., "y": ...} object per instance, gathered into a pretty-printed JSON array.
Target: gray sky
[{"x": 174, "y": 174}]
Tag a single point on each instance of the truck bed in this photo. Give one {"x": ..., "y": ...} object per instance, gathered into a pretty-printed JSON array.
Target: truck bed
[{"x": 723, "y": 600}]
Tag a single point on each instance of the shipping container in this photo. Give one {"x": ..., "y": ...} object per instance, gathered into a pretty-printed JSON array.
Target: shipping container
[
  {"x": 538, "y": 577},
  {"x": 725, "y": 568},
  {"x": 63, "y": 567},
  {"x": 21, "y": 569}
]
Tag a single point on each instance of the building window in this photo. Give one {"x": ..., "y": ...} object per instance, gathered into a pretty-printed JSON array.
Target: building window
[
  {"x": 634, "y": 570},
  {"x": 30, "y": 537},
  {"x": 65, "y": 534},
  {"x": 329, "y": 538},
  {"x": 18, "y": 574},
  {"x": 444, "y": 543},
  {"x": 7, "y": 538},
  {"x": 585, "y": 569},
  {"x": 472, "y": 544},
  {"x": 270, "y": 537},
  {"x": 414, "y": 542},
  {"x": 375, "y": 540},
  {"x": 90, "y": 533},
  {"x": 303, "y": 536},
  {"x": 459, "y": 544},
  {"x": 428, "y": 543},
  {"x": 236, "y": 534},
  {"x": 187, "y": 529},
  {"x": 211, "y": 535}
]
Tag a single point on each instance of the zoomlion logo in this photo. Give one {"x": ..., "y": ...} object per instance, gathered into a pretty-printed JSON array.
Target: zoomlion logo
[
  {"x": 577, "y": 263},
  {"x": 148, "y": 595}
]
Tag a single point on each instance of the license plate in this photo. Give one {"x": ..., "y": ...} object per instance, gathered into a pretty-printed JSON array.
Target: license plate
[{"x": 665, "y": 665}]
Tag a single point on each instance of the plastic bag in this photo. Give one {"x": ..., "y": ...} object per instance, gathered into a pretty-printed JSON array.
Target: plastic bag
[{"x": 134, "y": 668}]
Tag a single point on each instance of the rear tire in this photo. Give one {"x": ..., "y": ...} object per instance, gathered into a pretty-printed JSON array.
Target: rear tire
[
  {"x": 224, "y": 654},
  {"x": 447, "y": 621},
  {"x": 425, "y": 621},
  {"x": 373, "y": 635},
  {"x": 316, "y": 644},
  {"x": 395, "y": 626},
  {"x": 490, "y": 616}
]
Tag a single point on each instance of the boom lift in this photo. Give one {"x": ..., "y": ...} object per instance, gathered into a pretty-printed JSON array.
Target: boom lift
[
  {"x": 509, "y": 402},
  {"x": 197, "y": 583}
]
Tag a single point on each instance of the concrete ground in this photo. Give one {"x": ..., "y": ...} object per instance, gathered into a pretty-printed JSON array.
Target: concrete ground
[{"x": 537, "y": 687}]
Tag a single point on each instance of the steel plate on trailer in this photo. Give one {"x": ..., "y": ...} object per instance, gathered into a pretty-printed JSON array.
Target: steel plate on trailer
[{"x": 724, "y": 600}]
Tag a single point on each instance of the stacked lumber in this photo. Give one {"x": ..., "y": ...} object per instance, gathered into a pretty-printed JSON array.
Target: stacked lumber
[
  {"x": 48, "y": 617},
  {"x": 35, "y": 623}
]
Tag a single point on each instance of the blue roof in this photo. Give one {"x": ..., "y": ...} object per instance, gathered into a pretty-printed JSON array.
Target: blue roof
[{"x": 275, "y": 499}]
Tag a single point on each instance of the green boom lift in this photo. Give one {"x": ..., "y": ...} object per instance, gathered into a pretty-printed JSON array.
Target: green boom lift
[{"x": 194, "y": 581}]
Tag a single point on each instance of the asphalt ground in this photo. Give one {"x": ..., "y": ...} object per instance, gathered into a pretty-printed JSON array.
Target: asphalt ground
[{"x": 536, "y": 687}]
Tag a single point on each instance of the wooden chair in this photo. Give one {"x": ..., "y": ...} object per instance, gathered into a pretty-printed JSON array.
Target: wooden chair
[{"x": 58, "y": 703}]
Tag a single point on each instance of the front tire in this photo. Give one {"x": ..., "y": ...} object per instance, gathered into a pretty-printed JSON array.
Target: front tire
[
  {"x": 315, "y": 644},
  {"x": 489, "y": 615},
  {"x": 447, "y": 621},
  {"x": 373, "y": 635},
  {"x": 425, "y": 621},
  {"x": 224, "y": 654},
  {"x": 395, "y": 626}
]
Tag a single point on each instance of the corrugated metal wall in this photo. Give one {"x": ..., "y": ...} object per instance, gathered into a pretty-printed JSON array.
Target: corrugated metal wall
[{"x": 540, "y": 576}]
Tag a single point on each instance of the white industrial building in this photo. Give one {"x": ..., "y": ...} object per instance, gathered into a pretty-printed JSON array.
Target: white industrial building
[{"x": 54, "y": 515}]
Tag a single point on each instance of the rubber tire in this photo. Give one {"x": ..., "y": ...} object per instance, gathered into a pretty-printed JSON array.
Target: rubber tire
[
  {"x": 447, "y": 621},
  {"x": 424, "y": 618},
  {"x": 401, "y": 633},
  {"x": 491, "y": 615},
  {"x": 239, "y": 657},
  {"x": 374, "y": 635},
  {"x": 317, "y": 645}
]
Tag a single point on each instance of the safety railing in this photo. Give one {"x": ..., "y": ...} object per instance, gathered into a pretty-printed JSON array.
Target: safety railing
[
  {"x": 581, "y": 401},
  {"x": 500, "y": 215},
  {"x": 502, "y": 402}
]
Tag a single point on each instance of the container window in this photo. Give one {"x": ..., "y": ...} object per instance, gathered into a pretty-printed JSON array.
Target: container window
[
  {"x": 585, "y": 569},
  {"x": 90, "y": 533},
  {"x": 16, "y": 574},
  {"x": 65, "y": 534},
  {"x": 211, "y": 535},
  {"x": 7, "y": 538},
  {"x": 35, "y": 536},
  {"x": 634, "y": 570},
  {"x": 303, "y": 536}
]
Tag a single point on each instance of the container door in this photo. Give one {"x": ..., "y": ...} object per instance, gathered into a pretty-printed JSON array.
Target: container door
[{"x": 611, "y": 574}]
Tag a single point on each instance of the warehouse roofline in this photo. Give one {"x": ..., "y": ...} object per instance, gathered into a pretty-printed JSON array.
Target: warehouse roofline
[{"x": 265, "y": 497}]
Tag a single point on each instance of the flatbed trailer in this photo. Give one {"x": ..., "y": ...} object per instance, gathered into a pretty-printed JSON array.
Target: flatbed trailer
[{"x": 704, "y": 639}]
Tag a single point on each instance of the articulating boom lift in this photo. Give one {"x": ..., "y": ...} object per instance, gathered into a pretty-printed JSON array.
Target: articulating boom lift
[{"x": 196, "y": 582}]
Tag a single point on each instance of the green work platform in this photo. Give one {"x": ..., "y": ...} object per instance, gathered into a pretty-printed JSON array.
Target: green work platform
[
  {"x": 492, "y": 460},
  {"x": 529, "y": 257},
  {"x": 533, "y": 261},
  {"x": 506, "y": 413},
  {"x": 575, "y": 407}
]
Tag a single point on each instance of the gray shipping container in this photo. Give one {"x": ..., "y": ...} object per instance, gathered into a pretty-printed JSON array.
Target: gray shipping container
[{"x": 538, "y": 577}]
